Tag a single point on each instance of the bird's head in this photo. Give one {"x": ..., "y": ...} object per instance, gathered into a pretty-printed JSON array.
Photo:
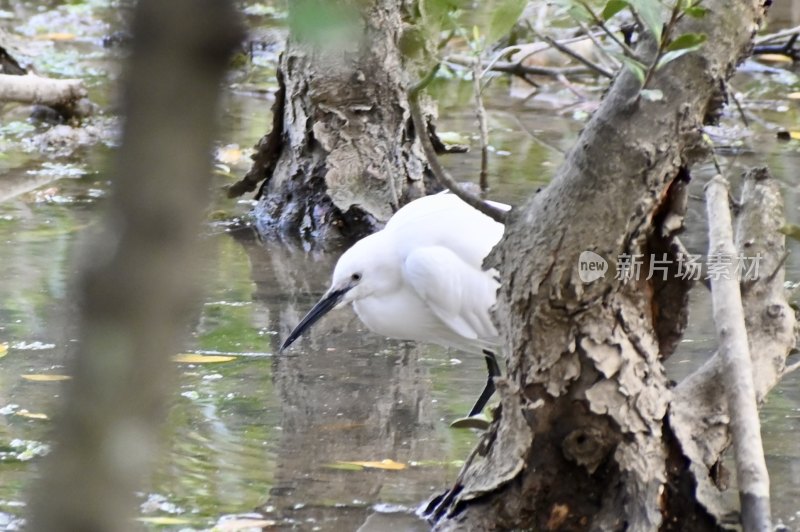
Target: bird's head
[{"x": 363, "y": 270}]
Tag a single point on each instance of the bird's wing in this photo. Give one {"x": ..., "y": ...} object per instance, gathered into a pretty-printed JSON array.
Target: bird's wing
[
  {"x": 444, "y": 220},
  {"x": 457, "y": 293}
]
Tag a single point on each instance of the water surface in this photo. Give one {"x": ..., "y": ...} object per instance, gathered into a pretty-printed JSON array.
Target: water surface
[{"x": 278, "y": 434}]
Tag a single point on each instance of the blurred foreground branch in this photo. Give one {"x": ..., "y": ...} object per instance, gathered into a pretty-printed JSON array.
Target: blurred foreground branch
[{"x": 137, "y": 286}]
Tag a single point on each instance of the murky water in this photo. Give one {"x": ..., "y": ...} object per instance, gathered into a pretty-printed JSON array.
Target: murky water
[{"x": 280, "y": 434}]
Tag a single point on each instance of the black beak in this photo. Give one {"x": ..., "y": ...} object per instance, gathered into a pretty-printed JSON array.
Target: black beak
[{"x": 330, "y": 300}]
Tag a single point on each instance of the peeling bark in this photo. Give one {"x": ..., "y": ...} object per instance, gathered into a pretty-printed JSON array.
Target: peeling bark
[
  {"x": 347, "y": 157},
  {"x": 581, "y": 441}
]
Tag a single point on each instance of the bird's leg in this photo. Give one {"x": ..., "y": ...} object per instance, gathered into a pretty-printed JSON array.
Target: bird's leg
[{"x": 494, "y": 371}]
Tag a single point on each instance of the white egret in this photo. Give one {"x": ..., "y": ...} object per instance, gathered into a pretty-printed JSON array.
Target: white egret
[{"x": 421, "y": 278}]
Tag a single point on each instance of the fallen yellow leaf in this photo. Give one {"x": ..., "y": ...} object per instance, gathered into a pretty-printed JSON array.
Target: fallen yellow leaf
[
  {"x": 470, "y": 423},
  {"x": 340, "y": 426},
  {"x": 164, "y": 520},
  {"x": 56, "y": 37},
  {"x": 774, "y": 58},
  {"x": 45, "y": 377},
  {"x": 3, "y": 350},
  {"x": 793, "y": 95},
  {"x": 30, "y": 415},
  {"x": 234, "y": 525},
  {"x": 344, "y": 466},
  {"x": 195, "y": 358},
  {"x": 387, "y": 464},
  {"x": 230, "y": 154}
]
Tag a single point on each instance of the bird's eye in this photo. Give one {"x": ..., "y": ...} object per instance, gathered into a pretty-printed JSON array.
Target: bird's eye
[{"x": 356, "y": 277}]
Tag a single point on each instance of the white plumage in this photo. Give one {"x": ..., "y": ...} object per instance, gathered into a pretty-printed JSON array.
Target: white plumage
[{"x": 421, "y": 277}]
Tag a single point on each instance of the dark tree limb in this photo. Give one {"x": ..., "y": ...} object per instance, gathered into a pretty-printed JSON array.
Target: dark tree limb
[
  {"x": 268, "y": 149},
  {"x": 9, "y": 65},
  {"x": 788, "y": 48},
  {"x": 439, "y": 146},
  {"x": 518, "y": 69}
]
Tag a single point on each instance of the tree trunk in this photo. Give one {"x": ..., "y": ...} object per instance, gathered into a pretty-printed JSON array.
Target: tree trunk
[
  {"x": 582, "y": 439},
  {"x": 342, "y": 155}
]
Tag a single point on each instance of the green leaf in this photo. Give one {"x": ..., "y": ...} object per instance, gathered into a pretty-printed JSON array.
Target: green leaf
[
  {"x": 650, "y": 12},
  {"x": 581, "y": 14},
  {"x": 636, "y": 67},
  {"x": 681, "y": 45},
  {"x": 674, "y": 54},
  {"x": 687, "y": 40},
  {"x": 437, "y": 12},
  {"x": 669, "y": 57},
  {"x": 505, "y": 14},
  {"x": 574, "y": 9},
  {"x": 696, "y": 11},
  {"x": 791, "y": 230},
  {"x": 613, "y": 7}
]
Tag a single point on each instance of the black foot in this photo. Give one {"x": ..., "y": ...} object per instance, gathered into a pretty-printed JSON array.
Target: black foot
[{"x": 494, "y": 371}]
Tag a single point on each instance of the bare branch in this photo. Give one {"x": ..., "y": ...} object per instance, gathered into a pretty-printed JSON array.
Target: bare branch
[
  {"x": 439, "y": 172},
  {"x": 480, "y": 111},
  {"x": 601, "y": 23},
  {"x": 518, "y": 69},
  {"x": 751, "y": 468},
  {"x": 777, "y": 36},
  {"x": 414, "y": 91},
  {"x": 593, "y": 36},
  {"x": 498, "y": 56},
  {"x": 567, "y": 51}
]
